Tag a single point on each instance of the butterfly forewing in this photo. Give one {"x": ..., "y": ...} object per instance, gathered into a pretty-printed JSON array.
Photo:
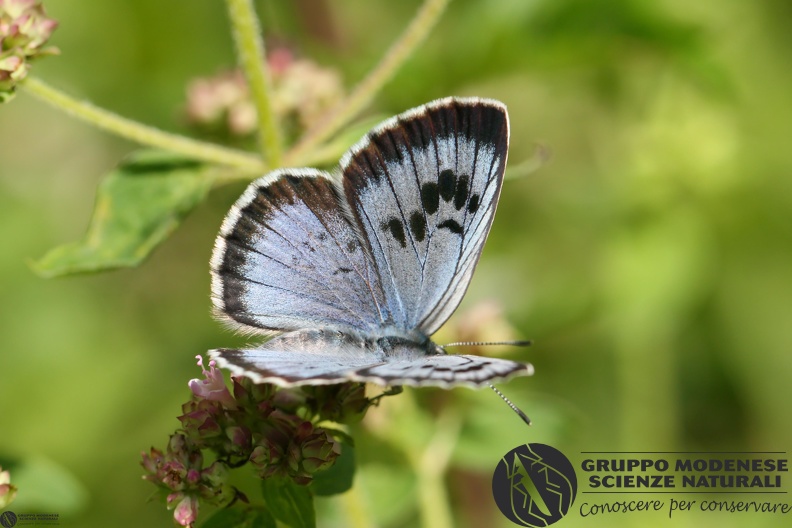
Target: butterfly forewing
[
  {"x": 423, "y": 188},
  {"x": 287, "y": 258},
  {"x": 353, "y": 274}
]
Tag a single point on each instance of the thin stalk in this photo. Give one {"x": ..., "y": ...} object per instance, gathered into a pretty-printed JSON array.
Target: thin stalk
[
  {"x": 431, "y": 467},
  {"x": 539, "y": 159},
  {"x": 140, "y": 133},
  {"x": 355, "y": 511},
  {"x": 415, "y": 33},
  {"x": 249, "y": 41}
]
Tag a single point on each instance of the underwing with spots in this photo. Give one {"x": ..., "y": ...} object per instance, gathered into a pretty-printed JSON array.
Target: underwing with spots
[{"x": 349, "y": 274}]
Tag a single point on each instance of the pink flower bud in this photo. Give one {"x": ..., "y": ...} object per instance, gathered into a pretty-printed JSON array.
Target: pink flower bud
[{"x": 186, "y": 511}]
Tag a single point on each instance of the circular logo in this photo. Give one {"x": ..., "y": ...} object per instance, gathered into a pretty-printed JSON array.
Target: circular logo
[
  {"x": 8, "y": 519},
  {"x": 534, "y": 485}
]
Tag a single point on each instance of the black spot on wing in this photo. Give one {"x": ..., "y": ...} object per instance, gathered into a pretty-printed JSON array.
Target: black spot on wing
[
  {"x": 451, "y": 225},
  {"x": 430, "y": 197},
  {"x": 418, "y": 226},
  {"x": 462, "y": 190},
  {"x": 473, "y": 203},
  {"x": 394, "y": 225},
  {"x": 447, "y": 184}
]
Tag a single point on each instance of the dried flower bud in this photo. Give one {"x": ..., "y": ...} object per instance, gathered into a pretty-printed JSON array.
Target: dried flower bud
[
  {"x": 13, "y": 68},
  {"x": 151, "y": 462},
  {"x": 201, "y": 421},
  {"x": 240, "y": 440},
  {"x": 302, "y": 92}
]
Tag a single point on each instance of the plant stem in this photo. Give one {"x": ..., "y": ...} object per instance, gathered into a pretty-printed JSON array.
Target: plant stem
[
  {"x": 252, "y": 58},
  {"x": 431, "y": 467},
  {"x": 429, "y": 453},
  {"x": 356, "y": 516},
  {"x": 415, "y": 33},
  {"x": 540, "y": 157},
  {"x": 140, "y": 133}
]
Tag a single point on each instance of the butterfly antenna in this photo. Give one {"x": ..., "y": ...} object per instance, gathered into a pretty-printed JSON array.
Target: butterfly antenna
[
  {"x": 491, "y": 386},
  {"x": 510, "y": 404},
  {"x": 490, "y": 343}
]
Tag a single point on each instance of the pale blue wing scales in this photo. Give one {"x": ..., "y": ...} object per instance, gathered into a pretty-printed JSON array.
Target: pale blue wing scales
[
  {"x": 307, "y": 357},
  {"x": 318, "y": 357},
  {"x": 287, "y": 257},
  {"x": 423, "y": 188}
]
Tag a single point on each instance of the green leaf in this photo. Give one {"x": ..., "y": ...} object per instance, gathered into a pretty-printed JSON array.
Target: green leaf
[
  {"x": 261, "y": 519},
  {"x": 138, "y": 205},
  {"x": 289, "y": 503},
  {"x": 338, "y": 478},
  {"x": 240, "y": 518}
]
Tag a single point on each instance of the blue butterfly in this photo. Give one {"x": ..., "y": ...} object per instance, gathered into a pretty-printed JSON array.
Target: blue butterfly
[{"x": 351, "y": 273}]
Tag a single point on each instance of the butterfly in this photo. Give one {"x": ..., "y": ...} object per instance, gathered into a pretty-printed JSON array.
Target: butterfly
[{"x": 350, "y": 273}]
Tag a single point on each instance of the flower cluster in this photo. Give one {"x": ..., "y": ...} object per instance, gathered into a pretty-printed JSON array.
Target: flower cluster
[
  {"x": 180, "y": 474},
  {"x": 302, "y": 91},
  {"x": 7, "y": 490},
  {"x": 24, "y": 29},
  {"x": 273, "y": 429}
]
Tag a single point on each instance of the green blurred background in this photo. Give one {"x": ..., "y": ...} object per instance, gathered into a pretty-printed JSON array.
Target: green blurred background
[{"x": 649, "y": 260}]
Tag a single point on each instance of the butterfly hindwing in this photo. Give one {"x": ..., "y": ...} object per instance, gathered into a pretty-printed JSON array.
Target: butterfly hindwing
[
  {"x": 287, "y": 258},
  {"x": 423, "y": 188},
  {"x": 319, "y": 357}
]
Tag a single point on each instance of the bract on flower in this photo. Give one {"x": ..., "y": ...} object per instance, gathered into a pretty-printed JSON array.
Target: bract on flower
[{"x": 13, "y": 69}]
